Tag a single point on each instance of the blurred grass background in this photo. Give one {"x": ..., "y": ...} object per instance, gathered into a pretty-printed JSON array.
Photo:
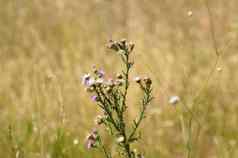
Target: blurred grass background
[{"x": 46, "y": 46}]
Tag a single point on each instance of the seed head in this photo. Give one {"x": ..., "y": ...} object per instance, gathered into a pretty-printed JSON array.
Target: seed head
[{"x": 173, "y": 100}]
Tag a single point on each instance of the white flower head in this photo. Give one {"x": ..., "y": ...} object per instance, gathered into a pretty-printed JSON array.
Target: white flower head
[
  {"x": 173, "y": 100},
  {"x": 91, "y": 82}
]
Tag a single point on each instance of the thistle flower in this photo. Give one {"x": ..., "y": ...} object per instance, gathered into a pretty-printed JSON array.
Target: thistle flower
[
  {"x": 174, "y": 100},
  {"x": 91, "y": 139},
  {"x": 94, "y": 98},
  {"x": 100, "y": 73},
  {"x": 113, "y": 45},
  {"x": 91, "y": 82},
  {"x": 85, "y": 79}
]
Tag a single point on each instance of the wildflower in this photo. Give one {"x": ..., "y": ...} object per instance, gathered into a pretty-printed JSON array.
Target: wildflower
[
  {"x": 174, "y": 100},
  {"x": 137, "y": 79},
  {"x": 120, "y": 139},
  {"x": 85, "y": 79},
  {"x": 91, "y": 139},
  {"x": 113, "y": 45},
  {"x": 100, "y": 73},
  {"x": 94, "y": 98},
  {"x": 90, "y": 82}
]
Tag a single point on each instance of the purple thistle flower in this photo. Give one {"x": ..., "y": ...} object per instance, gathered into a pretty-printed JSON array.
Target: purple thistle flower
[
  {"x": 90, "y": 82},
  {"x": 85, "y": 79},
  {"x": 100, "y": 73},
  {"x": 92, "y": 139},
  {"x": 94, "y": 98}
]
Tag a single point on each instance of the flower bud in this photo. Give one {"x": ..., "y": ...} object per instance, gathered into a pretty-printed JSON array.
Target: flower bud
[
  {"x": 147, "y": 81},
  {"x": 113, "y": 45}
]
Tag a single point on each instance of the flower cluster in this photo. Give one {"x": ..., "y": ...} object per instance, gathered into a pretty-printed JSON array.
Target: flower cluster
[
  {"x": 110, "y": 94},
  {"x": 122, "y": 46},
  {"x": 99, "y": 86}
]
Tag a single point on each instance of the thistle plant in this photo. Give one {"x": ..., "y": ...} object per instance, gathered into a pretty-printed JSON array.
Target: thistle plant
[{"x": 110, "y": 94}]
